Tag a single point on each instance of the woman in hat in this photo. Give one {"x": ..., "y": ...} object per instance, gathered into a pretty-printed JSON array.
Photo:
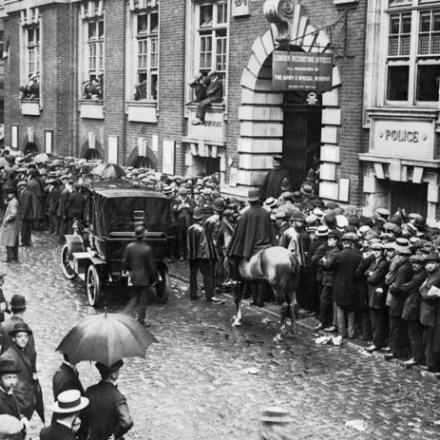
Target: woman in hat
[
  {"x": 10, "y": 228},
  {"x": 25, "y": 389}
]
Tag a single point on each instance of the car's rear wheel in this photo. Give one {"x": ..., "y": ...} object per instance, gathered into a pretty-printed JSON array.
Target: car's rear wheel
[
  {"x": 162, "y": 288},
  {"x": 66, "y": 259},
  {"x": 93, "y": 286}
]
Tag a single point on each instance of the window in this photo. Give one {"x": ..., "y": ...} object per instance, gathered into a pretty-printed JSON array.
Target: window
[
  {"x": 33, "y": 50},
  {"x": 413, "y": 56},
  {"x": 211, "y": 36},
  {"x": 91, "y": 56},
  {"x": 147, "y": 49}
]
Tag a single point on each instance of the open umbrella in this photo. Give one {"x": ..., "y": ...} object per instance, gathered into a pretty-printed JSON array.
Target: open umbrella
[
  {"x": 41, "y": 158},
  {"x": 108, "y": 171},
  {"x": 106, "y": 338}
]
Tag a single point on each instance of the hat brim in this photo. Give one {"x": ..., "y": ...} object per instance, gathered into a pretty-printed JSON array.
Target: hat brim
[
  {"x": 253, "y": 199},
  {"x": 13, "y": 332},
  {"x": 83, "y": 404},
  {"x": 10, "y": 371}
]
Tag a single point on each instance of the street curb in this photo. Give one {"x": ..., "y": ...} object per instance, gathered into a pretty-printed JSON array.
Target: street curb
[{"x": 347, "y": 343}]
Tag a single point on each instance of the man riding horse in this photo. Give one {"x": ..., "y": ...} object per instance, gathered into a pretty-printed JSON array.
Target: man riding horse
[
  {"x": 253, "y": 233},
  {"x": 252, "y": 257}
]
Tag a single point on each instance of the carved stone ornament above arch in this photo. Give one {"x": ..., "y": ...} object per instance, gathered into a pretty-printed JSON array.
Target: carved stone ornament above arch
[{"x": 280, "y": 13}]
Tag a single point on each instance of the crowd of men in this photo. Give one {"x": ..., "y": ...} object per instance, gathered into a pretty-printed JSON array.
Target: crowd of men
[
  {"x": 377, "y": 277},
  {"x": 97, "y": 413}
]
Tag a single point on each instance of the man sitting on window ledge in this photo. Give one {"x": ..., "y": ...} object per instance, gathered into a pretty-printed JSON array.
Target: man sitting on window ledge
[{"x": 214, "y": 93}]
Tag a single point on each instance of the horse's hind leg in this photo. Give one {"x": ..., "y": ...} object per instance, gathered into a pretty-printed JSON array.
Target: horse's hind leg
[{"x": 238, "y": 296}]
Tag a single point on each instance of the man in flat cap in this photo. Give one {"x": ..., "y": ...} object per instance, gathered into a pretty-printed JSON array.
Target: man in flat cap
[{"x": 107, "y": 414}]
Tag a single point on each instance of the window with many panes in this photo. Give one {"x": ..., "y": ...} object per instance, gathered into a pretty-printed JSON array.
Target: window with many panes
[
  {"x": 95, "y": 48},
  {"x": 413, "y": 56},
  {"x": 212, "y": 37},
  {"x": 32, "y": 37},
  {"x": 147, "y": 55}
]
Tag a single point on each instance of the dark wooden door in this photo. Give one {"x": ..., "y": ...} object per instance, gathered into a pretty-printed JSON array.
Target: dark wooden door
[{"x": 301, "y": 137}]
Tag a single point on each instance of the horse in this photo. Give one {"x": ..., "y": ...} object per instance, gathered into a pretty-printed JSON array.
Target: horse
[{"x": 279, "y": 267}]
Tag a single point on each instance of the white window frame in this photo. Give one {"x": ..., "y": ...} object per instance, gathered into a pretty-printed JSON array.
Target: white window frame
[
  {"x": 91, "y": 12},
  {"x": 30, "y": 19},
  {"x": 151, "y": 68},
  {"x": 193, "y": 43},
  {"x": 413, "y": 60}
]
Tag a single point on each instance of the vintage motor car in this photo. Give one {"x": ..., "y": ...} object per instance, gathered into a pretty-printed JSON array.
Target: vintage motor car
[{"x": 96, "y": 255}]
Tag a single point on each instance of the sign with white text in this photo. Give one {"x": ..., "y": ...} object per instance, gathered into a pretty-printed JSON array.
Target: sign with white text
[
  {"x": 302, "y": 71},
  {"x": 240, "y": 8}
]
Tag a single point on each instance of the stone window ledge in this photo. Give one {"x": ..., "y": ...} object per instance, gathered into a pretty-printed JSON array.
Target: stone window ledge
[
  {"x": 90, "y": 109},
  {"x": 142, "y": 111},
  {"x": 30, "y": 107}
]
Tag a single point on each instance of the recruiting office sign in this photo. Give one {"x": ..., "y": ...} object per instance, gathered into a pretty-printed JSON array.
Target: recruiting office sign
[{"x": 302, "y": 71}]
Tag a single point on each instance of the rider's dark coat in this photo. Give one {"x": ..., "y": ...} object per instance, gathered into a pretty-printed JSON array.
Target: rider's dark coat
[{"x": 254, "y": 232}]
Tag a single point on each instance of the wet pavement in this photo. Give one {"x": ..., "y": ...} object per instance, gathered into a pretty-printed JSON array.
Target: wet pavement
[{"x": 206, "y": 380}]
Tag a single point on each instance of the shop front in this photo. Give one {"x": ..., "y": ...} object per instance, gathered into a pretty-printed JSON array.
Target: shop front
[{"x": 402, "y": 162}]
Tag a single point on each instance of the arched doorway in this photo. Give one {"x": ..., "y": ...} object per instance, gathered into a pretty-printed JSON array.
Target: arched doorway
[
  {"x": 91, "y": 153},
  {"x": 142, "y": 162},
  {"x": 145, "y": 160},
  {"x": 289, "y": 123}
]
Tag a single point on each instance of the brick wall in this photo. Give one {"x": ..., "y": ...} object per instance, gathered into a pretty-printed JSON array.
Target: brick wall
[{"x": 56, "y": 113}]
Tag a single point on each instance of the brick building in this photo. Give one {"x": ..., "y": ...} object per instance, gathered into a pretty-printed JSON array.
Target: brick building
[
  {"x": 402, "y": 78},
  {"x": 112, "y": 79}
]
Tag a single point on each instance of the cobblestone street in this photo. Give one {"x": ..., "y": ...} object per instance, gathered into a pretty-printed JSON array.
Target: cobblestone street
[{"x": 205, "y": 380}]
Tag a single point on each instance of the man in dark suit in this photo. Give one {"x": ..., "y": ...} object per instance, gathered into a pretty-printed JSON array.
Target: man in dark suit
[
  {"x": 108, "y": 413},
  {"x": 75, "y": 206},
  {"x": 26, "y": 212},
  {"x": 66, "y": 378},
  {"x": 8, "y": 400},
  {"x": 67, "y": 422},
  {"x": 214, "y": 94},
  {"x": 139, "y": 261}
]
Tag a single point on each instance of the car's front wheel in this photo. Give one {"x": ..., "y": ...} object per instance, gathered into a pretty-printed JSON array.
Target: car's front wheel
[
  {"x": 66, "y": 259},
  {"x": 93, "y": 286}
]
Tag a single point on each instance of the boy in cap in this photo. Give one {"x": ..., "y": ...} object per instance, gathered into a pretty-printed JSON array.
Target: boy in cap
[
  {"x": 398, "y": 335},
  {"x": 107, "y": 414},
  {"x": 411, "y": 309},
  {"x": 375, "y": 276},
  {"x": 66, "y": 423}
]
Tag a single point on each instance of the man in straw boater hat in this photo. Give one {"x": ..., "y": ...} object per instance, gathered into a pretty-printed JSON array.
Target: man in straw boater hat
[
  {"x": 8, "y": 401},
  {"x": 67, "y": 422},
  {"x": 107, "y": 414}
]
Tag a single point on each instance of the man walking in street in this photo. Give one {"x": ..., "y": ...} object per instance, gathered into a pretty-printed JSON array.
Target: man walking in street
[
  {"x": 139, "y": 261},
  {"x": 8, "y": 400},
  {"x": 66, "y": 378},
  {"x": 107, "y": 414},
  {"x": 66, "y": 422}
]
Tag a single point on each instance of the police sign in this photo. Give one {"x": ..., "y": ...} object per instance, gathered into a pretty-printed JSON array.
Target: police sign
[{"x": 302, "y": 71}]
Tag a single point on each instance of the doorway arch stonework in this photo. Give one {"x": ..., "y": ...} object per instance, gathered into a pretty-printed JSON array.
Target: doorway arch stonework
[{"x": 261, "y": 109}]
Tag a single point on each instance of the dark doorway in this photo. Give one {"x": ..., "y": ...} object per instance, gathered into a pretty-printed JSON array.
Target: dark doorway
[
  {"x": 142, "y": 162},
  {"x": 91, "y": 154},
  {"x": 206, "y": 165},
  {"x": 301, "y": 135},
  {"x": 412, "y": 197},
  {"x": 30, "y": 148}
]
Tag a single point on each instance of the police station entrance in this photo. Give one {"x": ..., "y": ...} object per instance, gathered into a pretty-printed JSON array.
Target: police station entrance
[{"x": 301, "y": 134}]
